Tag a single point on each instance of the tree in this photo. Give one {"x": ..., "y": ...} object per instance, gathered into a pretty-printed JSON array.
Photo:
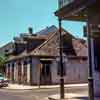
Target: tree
[{"x": 2, "y": 62}]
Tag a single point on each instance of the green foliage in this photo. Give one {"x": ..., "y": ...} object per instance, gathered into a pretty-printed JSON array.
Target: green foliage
[{"x": 3, "y": 59}]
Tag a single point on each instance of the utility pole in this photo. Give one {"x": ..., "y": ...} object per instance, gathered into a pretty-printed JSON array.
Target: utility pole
[
  {"x": 61, "y": 61},
  {"x": 90, "y": 72}
]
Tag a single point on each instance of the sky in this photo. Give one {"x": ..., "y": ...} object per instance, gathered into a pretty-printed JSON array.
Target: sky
[{"x": 17, "y": 15}]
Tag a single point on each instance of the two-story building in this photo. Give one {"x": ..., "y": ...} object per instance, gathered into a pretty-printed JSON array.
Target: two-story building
[{"x": 89, "y": 12}]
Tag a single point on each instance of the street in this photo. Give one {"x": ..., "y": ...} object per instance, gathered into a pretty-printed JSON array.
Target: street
[{"x": 38, "y": 94}]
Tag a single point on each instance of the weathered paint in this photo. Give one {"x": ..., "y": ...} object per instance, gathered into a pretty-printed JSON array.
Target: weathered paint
[
  {"x": 28, "y": 73},
  {"x": 96, "y": 74},
  {"x": 76, "y": 72}
]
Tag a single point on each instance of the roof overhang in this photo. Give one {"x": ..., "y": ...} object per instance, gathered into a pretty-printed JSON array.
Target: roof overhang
[{"x": 77, "y": 11}]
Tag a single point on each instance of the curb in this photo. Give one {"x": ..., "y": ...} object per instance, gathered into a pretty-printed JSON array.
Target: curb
[
  {"x": 69, "y": 96},
  {"x": 16, "y": 87}
]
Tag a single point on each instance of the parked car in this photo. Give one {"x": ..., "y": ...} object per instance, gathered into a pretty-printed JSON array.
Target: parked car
[{"x": 3, "y": 81}]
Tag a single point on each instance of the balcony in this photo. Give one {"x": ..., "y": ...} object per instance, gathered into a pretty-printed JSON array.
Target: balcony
[
  {"x": 76, "y": 9},
  {"x": 63, "y": 3}
]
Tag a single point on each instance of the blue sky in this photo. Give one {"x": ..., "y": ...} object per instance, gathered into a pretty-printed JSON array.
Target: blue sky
[{"x": 17, "y": 15}]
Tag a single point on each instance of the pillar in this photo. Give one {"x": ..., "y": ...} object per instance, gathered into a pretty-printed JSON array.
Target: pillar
[
  {"x": 90, "y": 64},
  {"x": 28, "y": 73},
  {"x": 22, "y": 71},
  {"x": 15, "y": 72}
]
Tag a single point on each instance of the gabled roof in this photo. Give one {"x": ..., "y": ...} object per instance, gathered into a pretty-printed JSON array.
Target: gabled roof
[
  {"x": 80, "y": 48},
  {"x": 47, "y": 30},
  {"x": 6, "y": 48},
  {"x": 50, "y": 47}
]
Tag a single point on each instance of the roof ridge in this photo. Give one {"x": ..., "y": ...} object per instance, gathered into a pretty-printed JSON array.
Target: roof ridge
[{"x": 45, "y": 42}]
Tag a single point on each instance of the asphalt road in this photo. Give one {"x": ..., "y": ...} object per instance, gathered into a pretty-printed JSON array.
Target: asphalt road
[{"x": 36, "y": 94}]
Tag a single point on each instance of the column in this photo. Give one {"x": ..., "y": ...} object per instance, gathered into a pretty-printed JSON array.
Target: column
[
  {"x": 61, "y": 61},
  {"x": 22, "y": 71},
  {"x": 29, "y": 70},
  {"x": 10, "y": 68},
  {"x": 15, "y": 72},
  {"x": 28, "y": 73},
  {"x": 11, "y": 71},
  {"x": 96, "y": 73}
]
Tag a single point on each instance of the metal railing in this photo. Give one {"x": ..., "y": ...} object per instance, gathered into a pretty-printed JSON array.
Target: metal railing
[{"x": 62, "y": 3}]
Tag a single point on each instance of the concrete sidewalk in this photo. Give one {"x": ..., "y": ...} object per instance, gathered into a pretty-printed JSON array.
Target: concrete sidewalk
[
  {"x": 70, "y": 96},
  {"x": 26, "y": 87}
]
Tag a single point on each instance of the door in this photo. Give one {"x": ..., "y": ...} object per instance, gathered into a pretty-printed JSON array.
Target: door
[
  {"x": 25, "y": 74},
  {"x": 19, "y": 73},
  {"x": 45, "y": 74}
]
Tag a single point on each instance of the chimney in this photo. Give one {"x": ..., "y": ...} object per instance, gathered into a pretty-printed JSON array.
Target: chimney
[{"x": 30, "y": 30}]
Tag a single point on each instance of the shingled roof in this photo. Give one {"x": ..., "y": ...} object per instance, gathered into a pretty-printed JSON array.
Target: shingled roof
[
  {"x": 50, "y": 47},
  {"x": 47, "y": 30}
]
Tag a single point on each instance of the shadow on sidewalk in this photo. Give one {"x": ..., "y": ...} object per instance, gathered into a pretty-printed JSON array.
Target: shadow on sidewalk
[{"x": 80, "y": 98}]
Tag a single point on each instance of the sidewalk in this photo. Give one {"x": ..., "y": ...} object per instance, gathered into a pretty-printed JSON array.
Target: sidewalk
[
  {"x": 26, "y": 87},
  {"x": 70, "y": 96}
]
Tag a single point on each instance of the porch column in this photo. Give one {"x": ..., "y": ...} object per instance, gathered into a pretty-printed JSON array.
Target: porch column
[
  {"x": 22, "y": 71},
  {"x": 10, "y": 68},
  {"x": 29, "y": 70},
  {"x": 15, "y": 72},
  {"x": 28, "y": 73},
  {"x": 96, "y": 67},
  {"x": 96, "y": 74},
  {"x": 11, "y": 71}
]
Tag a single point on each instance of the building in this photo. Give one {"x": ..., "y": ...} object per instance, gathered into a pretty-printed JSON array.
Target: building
[
  {"x": 89, "y": 12},
  {"x": 35, "y": 58},
  {"x": 5, "y": 48}
]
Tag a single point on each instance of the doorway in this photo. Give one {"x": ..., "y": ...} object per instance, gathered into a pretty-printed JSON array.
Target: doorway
[{"x": 45, "y": 73}]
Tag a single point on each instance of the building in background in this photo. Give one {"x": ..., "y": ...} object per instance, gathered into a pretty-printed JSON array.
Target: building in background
[{"x": 34, "y": 58}]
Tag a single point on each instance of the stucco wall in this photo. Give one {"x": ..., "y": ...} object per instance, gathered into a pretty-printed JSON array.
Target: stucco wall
[
  {"x": 96, "y": 74},
  {"x": 76, "y": 71},
  {"x": 35, "y": 70}
]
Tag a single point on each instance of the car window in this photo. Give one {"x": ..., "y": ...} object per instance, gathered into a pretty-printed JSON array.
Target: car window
[{"x": 1, "y": 75}]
